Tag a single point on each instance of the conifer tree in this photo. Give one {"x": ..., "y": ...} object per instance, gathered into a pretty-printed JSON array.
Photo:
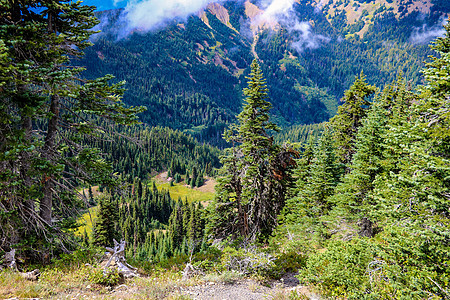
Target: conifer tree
[
  {"x": 293, "y": 211},
  {"x": 325, "y": 172},
  {"x": 252, "y": 193},
  {"x": 105, "y": 225},
  {"x": 415, "y": 195},
  {"x": 91, "y": 196},
  {"x": 199, "y": 181},
  {"x": 194, "y": 177},
  {"x": 371, "y": 159},
  {"x": 46, "y": 110},
  {"x": 349, "y": 116}
]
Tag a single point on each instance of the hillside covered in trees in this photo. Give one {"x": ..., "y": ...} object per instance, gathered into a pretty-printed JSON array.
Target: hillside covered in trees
[
  {"x": 355, "y": 207},
  {"x": 191, "y": 71}
]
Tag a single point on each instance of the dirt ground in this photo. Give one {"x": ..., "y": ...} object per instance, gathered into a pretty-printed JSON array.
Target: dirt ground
[
  {"x": 242, "y": 289},
  {"x": 249, "y": 290}
]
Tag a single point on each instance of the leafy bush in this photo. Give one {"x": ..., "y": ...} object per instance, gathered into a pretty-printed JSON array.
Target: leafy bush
[
  {"x": 110, "y": 278},
  {"x": 207, "y": 260},
  {"x": 247, "y": 261},
  {"x": 414, "y": 263},
  {"x": 340, "y": 271},
  {"x": 287, "y": 263}
]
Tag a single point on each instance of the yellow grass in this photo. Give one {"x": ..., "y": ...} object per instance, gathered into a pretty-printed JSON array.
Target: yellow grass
[
  {"x": 87, "y": 222},
  {"x": 180, "y": 190},
  {"x": 73, "y": 283}
]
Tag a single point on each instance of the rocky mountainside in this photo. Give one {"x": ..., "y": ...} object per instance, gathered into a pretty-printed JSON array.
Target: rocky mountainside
[{"x": 189, "y": 71}]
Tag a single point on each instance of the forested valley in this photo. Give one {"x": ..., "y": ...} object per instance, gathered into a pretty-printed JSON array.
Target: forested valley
[{"x": 223, "y": 155}]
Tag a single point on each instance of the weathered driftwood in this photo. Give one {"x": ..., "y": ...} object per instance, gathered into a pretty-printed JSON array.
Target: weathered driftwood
[
  {"x": 10, "y": 262},
  {"x": 33, "y": 275},
  {"x": 117, "y": 260},
  {"x": 190, "y": 271}
]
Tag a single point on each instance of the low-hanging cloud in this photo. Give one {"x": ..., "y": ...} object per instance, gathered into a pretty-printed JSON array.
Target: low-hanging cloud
[
  {"x": 304, "y": 38},
  {"x": 423, "y": 35},
  {"x": 146, "y": 15},
  {"x": 282, "y": 12},
  {"x": 117, "y": 2},
  {"x": 277, "y": 9},
  {"x": 149, "y": 14}
]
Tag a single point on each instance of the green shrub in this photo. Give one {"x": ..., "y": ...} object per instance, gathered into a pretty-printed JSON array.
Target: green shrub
[
  {"x": 207, "y": 260},
  {"x": 247, "y": 261},
  {"x": 287, "y": 263},
  {"x": 415, "y": 262},
  {"x": 78, "y": 258},
  {"x": 340, "y": 271},
  {"x": 110, "y": 277}
]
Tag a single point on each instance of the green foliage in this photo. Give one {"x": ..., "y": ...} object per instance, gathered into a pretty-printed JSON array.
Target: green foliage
[
  {"x": 46, "y": 110},
  {"x": 349, "y": 117},
  {"x": 299, "y": 133},
  {"x": 78, "y": 258},
  {"x": 341, "y": 269},
  {"x": 318, "y": 174},
  {"x": 289, "y": 262},
  {"x": 109, "y": 277},
  {"x": 139, "y": 151},
  {"x": 208, "y": 260},
  {"x": 395, "y": 190},
  {"x": 247, "y": 261},
  {"x": 105, "y": 227},
  {"x": 256, "y": 171},
  {"x": 177, "y": 69}
]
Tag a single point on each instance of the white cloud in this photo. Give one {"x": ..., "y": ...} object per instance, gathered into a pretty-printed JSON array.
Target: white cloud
[
  {"x": 425, "y": 34},
  {"x": 304, "y": 38},
  {"x": 282, "y": 12},
  {"x": 116, "y": 2},
  {"x": 278, "y": 8},
  {"x": 148, "y": 14},
  {"x": 145, "y": 15}
]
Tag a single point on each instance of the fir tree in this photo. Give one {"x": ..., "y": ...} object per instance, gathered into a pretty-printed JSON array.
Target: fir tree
[
  {"x": 349, "y": 116},
  {"x": 325, "y": 172},
  {"x": 252, "y": 193},
  {"x": 371, "y": 159},
  {"x": 44, "y": 94},
  {"x": 199, "y": 181},
  {"x": 105, "y": 225},
  {"x": 414, "y": 195},
  {"x": 194, "y": 177}
]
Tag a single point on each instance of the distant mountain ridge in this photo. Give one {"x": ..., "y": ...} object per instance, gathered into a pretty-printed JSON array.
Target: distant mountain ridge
[{"x": 190, "y": 73}]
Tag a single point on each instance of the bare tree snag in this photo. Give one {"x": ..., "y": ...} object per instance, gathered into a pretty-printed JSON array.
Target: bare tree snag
[
  {"x": 117, "y": 260},
  {"x": 10, "y": 262}
]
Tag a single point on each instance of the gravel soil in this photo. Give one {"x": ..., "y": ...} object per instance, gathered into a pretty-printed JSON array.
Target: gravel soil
[{"x": 248, "y": 289}]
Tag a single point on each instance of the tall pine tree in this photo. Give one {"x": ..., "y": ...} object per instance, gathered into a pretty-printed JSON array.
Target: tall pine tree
[
  {"x": 349, "y": 117},
  {"x": 46, "y": 110},
  {"x": 252, "y": 193}
]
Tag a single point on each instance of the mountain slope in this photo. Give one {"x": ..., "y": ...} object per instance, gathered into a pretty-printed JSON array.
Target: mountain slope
[{"x": 190, "y": 73}]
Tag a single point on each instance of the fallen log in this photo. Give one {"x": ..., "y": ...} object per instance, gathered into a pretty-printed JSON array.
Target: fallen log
[
  {"x": 33, "y": 275},
  {"x": 10, "y": 262}
]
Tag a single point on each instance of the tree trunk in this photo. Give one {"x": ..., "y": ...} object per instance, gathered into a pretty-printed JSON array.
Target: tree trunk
[
  {"x": 366, "y": 227},
  {"x": 25, "y": 166},
  {"x": 48, "y": 153},
  {"x": 27, "y": 127}
]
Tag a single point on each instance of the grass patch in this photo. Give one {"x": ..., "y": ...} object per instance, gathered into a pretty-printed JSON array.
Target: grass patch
[
  {"x": 74, "y": 283},
  {"x": 180, "y": 190},
  {"x": 86, "y": 222}
]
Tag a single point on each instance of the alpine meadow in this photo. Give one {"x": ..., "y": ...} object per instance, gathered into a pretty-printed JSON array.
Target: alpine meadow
[{"x": 225, "y": 149}]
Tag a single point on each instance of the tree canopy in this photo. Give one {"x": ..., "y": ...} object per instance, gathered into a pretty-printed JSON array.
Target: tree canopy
[{"x": 46, "y": 108}]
